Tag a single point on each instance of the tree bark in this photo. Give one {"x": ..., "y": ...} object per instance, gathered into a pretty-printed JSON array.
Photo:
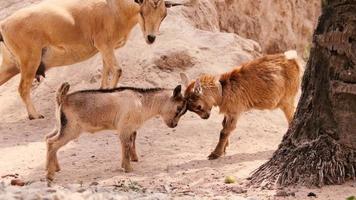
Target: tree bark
[{"x": 320, "y": 145}]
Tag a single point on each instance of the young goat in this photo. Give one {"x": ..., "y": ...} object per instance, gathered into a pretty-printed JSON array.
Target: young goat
[
  {"x": 269, "y": 82},
  {"x": 123, "y": 109}
]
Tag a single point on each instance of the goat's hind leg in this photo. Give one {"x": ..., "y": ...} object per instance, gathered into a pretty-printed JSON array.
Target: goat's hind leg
[
  {"x": 7, "y": 73},
  {"x": 125, "y": 152},
  {"x": 54, "y": 143},
  {"x": 288, "y": 109},
  {"x": 133, "y": 154},
  {"x": 110, "y": 64},
  {"x": 51, "y": 136},
  {"x": 8, "y": 67}
]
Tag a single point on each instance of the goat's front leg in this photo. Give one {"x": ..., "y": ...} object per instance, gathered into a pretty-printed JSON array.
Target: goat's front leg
[
  {"x": 28, "y": 71},
  {"x": 133, "y": 154},
  {"x": 125, "y": 152},
  {"x": 105, "y": 76},
  {"x": 229, "y": 124},
  {"x": 111, "y": 65}
]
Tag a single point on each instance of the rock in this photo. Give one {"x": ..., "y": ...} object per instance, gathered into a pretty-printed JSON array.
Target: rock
[
  {"x": 17, "y": 182},
  {"x": 238, "y": 190},
  {"x": 10, "y": 175},
  {"x": 311, "y": 194},
  {"x": 94, "y": 183},
  {"x": 261, "y": 21},
  {"x": 174, "y": 59},
  {"x": 283, "y": 193},
  {"x": 81, "y": 190},
  {"x": 51, "y": 190}
]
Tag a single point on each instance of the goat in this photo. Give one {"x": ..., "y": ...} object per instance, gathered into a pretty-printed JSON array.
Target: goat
[
  {"x": 123, "y": 109},
  {"x": 57, "y": 33},
  {"x": 269, "y": 82}
]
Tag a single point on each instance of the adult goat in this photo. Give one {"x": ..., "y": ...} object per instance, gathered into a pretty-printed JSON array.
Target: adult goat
[{"x": 56, "y": 33}]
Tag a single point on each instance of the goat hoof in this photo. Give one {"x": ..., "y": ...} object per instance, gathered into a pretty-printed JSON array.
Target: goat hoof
[
  {"x": 134, "y": 158},
  {"x": 31, "y": 117},
  {"x": 213, "y": 156},
  {"x": 128, "y": 169},
  {"x": 50, "y": 177}
]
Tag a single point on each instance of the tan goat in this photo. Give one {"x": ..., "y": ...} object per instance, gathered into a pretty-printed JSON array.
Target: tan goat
[
  {"x": 123, "y": 109},
  {"x": 269, "y": 82},
  {"x": 56, "y": 33}
]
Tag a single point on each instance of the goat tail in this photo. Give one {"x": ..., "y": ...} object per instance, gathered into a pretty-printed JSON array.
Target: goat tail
[
  {"x": 1, "y": 37},
  {"x": 61, "y": 118},
  {"x": 58, "y": 130},
  {"x": 62, "y": 92},
  {"x": 293, "y": 55}
]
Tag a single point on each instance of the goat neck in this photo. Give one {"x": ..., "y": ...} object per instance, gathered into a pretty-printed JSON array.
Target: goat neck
[
  {"x": 154, "y": 102},
  {"x": 126, "y": 8}
]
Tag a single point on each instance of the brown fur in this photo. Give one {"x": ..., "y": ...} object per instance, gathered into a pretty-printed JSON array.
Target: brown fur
[
  {"x": 57, "y": 33},
  {"x": 121, "y": 109},
  {"x": 269, "y": 82}
]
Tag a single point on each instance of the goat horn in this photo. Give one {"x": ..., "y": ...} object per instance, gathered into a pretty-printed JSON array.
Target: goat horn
[{"x": 171, "y": 4}]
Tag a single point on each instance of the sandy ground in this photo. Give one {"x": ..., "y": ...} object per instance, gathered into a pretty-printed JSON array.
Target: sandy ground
[{"x": 172, "y": 162}]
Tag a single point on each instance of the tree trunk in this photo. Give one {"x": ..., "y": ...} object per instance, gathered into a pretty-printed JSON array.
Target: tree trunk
[{"x": 320, "y": 146}]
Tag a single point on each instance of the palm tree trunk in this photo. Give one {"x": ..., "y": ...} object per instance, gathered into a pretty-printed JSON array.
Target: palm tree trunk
[{"x": 320, "y": 146}]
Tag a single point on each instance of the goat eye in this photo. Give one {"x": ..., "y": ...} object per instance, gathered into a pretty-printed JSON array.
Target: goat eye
[
  {"x": 199, "y": 107},
  {"x": 179, "y": 109}
]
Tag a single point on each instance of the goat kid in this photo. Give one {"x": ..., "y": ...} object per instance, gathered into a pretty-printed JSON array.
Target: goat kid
[
  {"x": 56, "y": 33},
  {"x": 123, "y": 109},
  {"x": 269, "y": 82}
]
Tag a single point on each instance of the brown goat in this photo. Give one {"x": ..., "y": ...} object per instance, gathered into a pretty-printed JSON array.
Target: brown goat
[
  {"x": 123, "y": 109},
  {"x": 269, "y": 82}
]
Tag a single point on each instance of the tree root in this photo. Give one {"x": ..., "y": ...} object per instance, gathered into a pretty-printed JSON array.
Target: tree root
[{"x": 318, "y": 162}]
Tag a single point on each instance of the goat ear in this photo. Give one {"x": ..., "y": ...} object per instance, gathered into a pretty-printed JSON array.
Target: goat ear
[
  {"x": 177, "y": 92},
  {"x": 171, "y": 4},
  {"x": 139, "y": 1},
  {"x": 197, "y": 87},
  {"x": 185, "y": 79}
]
